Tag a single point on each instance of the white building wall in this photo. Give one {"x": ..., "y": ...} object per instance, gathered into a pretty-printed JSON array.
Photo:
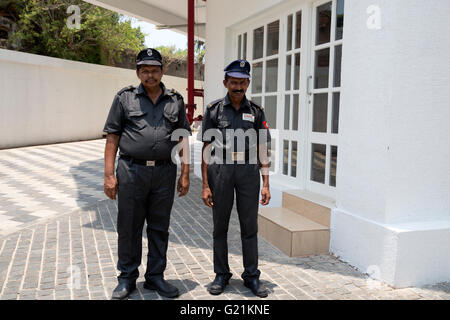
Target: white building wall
[
  {"x": 47, "y": 100},
  {"x": 393, "y": 203},
  {"x": 393, "y": 186}
]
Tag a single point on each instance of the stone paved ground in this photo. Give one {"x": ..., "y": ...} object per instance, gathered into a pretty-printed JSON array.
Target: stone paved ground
[{"x": 71, "y": 254}]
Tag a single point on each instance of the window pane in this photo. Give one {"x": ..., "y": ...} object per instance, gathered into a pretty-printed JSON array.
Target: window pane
[
  {"x": 272, "y": 75},
  {"x": 322, "y": 68},
  {"x": 320, "y": 112},
  {"x": 244, "y": 47},
  {"x": 297, "y": 72},
  {"x": 333, "y": 166},
  {"x": 298, "y": 30},
  {"x": 339, "y": 19},
  {"x": 318, "y": 156},
  {"x": 287, "y": 111},
  {"x": 285, "y": 157},
  {"x": 323, "y": 23},
  {"x": 270, "y": 110},
  {"x": 257, "y": 77},
  {"x": 337, "y": 65},
  {"x": 288, "y": 72},
  {"x": 289, "y": 33},
  {"x": 273, "y": 32},
  {"x": 239, "y": 46},
  {"x": 295, "y": 113},
  {"x": 258, "y": 43},
  {"x": 335, "y": 113},
  {"x": 294, "y": 159}
]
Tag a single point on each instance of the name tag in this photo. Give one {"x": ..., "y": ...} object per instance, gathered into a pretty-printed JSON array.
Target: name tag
[{"x": 248, "y": 117}]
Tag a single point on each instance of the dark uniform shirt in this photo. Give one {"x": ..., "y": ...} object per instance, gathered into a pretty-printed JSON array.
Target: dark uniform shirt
[
  {"x": 221, "y": 115},
  {"x": 145, "y": 129}
]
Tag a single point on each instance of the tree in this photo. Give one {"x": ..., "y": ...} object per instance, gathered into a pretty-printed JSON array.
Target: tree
[{"x": 103, "y": 37}]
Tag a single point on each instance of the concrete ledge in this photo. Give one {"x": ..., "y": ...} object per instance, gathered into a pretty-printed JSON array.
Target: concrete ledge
[{"x": 401, "y": 255}]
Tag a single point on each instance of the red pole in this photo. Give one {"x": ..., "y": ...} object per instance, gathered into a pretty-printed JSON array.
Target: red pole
[{"x": 190, "y": 62}]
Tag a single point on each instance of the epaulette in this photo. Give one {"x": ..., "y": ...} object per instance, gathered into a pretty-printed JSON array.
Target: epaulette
[
  {"x": 257, "y": 105},
  {"x": 176, "y": 93},
  {"x": 125, "y": 89},
  {"x": 214, "y": 103}
]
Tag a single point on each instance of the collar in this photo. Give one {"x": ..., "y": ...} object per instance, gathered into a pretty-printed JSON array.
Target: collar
[
  {"x": 244, "y": 102},
  {"x": 165, "y": 92}
]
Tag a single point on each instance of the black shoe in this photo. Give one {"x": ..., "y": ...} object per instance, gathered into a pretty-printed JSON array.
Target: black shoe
[
  {"x": 257, "y": 287},
  {"x": 123, "y": 290},
  {"x": 162, "y": 287},
  {"x": 219, "y": 283}
]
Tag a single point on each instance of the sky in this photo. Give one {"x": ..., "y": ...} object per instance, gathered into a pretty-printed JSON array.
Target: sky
[{"x": 156, "y": 38}]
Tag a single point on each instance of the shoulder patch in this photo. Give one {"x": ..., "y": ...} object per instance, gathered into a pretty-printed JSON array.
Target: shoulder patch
[
  {"x": 129, "y": 88},
  {"x": 215, "y": 102}
]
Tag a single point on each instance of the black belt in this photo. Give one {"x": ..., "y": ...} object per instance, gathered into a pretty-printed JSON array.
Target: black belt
[{"x": 148, "y": 163}]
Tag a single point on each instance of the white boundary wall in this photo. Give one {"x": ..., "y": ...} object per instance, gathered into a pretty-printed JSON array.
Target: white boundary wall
[{"x": 47, "y": 100}]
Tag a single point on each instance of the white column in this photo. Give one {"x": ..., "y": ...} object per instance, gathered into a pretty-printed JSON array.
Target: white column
[{"x": 393, "y": 171}]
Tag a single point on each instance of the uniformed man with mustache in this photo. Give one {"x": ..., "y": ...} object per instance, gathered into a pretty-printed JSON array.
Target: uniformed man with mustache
[{"x": 236, "y": 131}]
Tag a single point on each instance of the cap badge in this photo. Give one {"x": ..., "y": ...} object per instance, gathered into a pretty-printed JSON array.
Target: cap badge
[
  {"x": 149, "y": 52},
  {"x": 242, "y": 64}
]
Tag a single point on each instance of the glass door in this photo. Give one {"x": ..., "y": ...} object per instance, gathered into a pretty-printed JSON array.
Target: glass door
[{"x": 324, "y": 87}]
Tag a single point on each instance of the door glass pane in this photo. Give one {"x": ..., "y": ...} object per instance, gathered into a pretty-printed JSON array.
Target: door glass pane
[
  {"x": 320, "y": 112},
  {"x": 272, "y": 75},
  {"x": 258, "y": 43},
  {"x": 289, "y": 33},
  {"x": 322, "y": 68},
  {"x": 287, "y": 111},
  {"x": 257, "y": 77},
  {"x": 333, "y": 166},
  {"x": 273, "y": 32},
  {"x": 318, "y": 156},
  {"x": 272, "y": 149},
  {"x": 339, "y": 19},
  {"x": 294, "y": 159},
  {"x": 244, "y": 47},
  {"x": 239, "y": 46},
  {"x": 288, "y": 72},
  {"x": 337, "y": 65},
  {"x": 297, "y": 72},
  {"x": 335, "y": 113},
  {"x": 271, "y": 111},
  {"x": 323, "y": 23},
  {"x": 257, "y": 100},
  {"x": 298, "y": 30},
  {"x": 285, "y": 157},
  {"x": 295, "y": 113}
]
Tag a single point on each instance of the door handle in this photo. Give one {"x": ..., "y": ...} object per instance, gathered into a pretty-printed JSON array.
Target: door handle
[{"x": 308, "y": 85}]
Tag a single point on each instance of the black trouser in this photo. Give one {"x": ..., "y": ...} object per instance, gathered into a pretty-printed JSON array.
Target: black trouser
[
  {"x": 145, "y": 193},
  {"x": 224, "y": 180}
]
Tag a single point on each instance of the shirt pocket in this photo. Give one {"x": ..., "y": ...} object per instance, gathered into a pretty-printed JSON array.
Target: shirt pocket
[
  {"x": 137, "y": 119},
  {"x": 170, "y": 119}
]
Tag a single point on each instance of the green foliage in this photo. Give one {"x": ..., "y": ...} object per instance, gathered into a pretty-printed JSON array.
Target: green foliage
[{"x": 103, "y": 37}]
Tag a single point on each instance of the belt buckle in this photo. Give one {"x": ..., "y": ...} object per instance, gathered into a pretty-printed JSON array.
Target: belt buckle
[
  {"x": 150, "y": 163},
  {"x": 238, "y": 156}
]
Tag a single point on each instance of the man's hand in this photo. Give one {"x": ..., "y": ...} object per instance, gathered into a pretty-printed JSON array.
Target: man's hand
[
  {"x": 183, "y": 185},
  {"x": 265, "y": 196},
  {"x": 207, "y": 197},
  {"x": 110, "y": 186}
]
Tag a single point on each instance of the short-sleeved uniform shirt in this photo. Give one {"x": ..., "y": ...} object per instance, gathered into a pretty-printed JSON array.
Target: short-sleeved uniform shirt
[
  {"x": 145, "y": 129},
  {"x": 221, "y": 115}
]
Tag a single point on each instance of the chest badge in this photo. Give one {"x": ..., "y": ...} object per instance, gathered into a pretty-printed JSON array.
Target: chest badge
[{"x": 248, "y": 117}]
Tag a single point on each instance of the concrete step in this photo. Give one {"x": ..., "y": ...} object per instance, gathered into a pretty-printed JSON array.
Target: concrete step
[
  {"x": 293, "y": 233},
  {"x": 310, "y": 205}
]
